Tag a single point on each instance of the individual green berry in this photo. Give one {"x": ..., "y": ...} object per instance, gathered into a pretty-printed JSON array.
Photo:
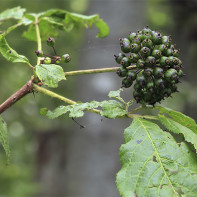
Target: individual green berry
[
  {"x": 147, "y": 43},
  {"x": 58, "y": 60},
  {"x": 158, "y": 72},
  {"x": 146, "y": 30},
  {"x": 50, "y": 41},
  {"x": 125, "y": 62},
  {"x": 39, "y": 53},
  {"x": 133, "y": 57},
  {"x": 121, "y": 72},
  {"x": 168, "y": 52},
  {"x": 135, "y": 48},
  {"x": 148, "y": 72},
  {"x": 125, "y": 47},
  {"x": 137, "y": 96},
  {"x": 159, "y": 83},
  {"x": 136, "y": 40},
  {"x": 156, "y": 53},
  {"x": 66, "y": 58},
  {"x": 119, "y": 57},
  {"x": 170, "y": 74},
  {"x": 141, "y": 80},
  {"x": 167, "y": 92},
  {"x": 126, "y": 83},
  {"x": 124, "y": 40},
  {"x": 140, "y": 63},
  {"x": 47, "y": 60},
  {"x": 131, "y": 75},
  {"x": 137, "y": 87},
  {"x": 131, "y": 36},
  {"x": 176, "y": 52},
  {"x": 150, "y": 86},
  {"x": 162, "y": 48},
  {"x": 150, "y": 61},
  {"x": 156, "y": 38},
  {"x": 147, "y": 36},
  {"x": 140, "y": 36},
  {"x": 145, "y": 52},
  {"x": 166, "y": 40},
  {"x": 180, "y": 73},
  {"x": 164, "y": 61}
]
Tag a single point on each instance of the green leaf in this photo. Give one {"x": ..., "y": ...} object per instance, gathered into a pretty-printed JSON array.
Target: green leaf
[
  {"x": 179, "y": 117},
  {"x": 116, "y": 95},
  {"x": 88, "y": 21},
  {"x": 113, "y": 109},
  {"x": 175, "y": 127},
  {"x": 53, "y": 20},
  {"x": 50, "y": 74},
  {"x": 9, "y": 53},
  {"x": 153, "y": 164},
  {"x": 4, "y": 138},
  {"x": 13, "y": 13},
  {"x": 75, "y": 110}
]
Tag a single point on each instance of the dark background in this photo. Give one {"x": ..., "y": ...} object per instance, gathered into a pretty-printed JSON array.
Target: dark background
[{"x": 55, "y": 158}]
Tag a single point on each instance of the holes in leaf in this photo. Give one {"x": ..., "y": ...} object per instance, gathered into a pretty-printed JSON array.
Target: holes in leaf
[{"x": 155, "y": 159}]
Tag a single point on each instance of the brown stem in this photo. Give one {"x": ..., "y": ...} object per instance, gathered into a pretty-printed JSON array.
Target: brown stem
[{"x": 26, "y": 89}]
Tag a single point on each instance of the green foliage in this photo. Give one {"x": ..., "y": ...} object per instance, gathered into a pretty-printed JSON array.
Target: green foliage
[
  {"x": 4, "y": 138},
  {"x": 9, "y": 53},
  {"x": 50, "y": 74},
  {"x": 53, "y": 20},
  {"x": 175, "y": 127},
  {"x": 153, "y": 164},
  {"x": 179, "y": 117},
  {"x": 13, "y": 13}
]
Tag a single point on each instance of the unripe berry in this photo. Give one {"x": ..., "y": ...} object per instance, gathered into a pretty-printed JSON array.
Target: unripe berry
[
  {"x": 50, "y": 41},
  {"x": 131, "y": 75},
  {"x": 140, "y": 63},
  {"x": 145, "y": 52},
  {"x": 125, "y": 62},
  {"x": 176, "y": 52},
  {"x": 133, "y": 57},
  {"x": 146, "y": 30},
  {"x": 135, "y": 48},
  {"x": 136, "y": 40},
  {"x": 166, "y": 40},
  {"x": 125, "y": 47},
  {"x": 164, "y": 61},
  {"x": 126, "y": 83},
  {"x": 121, "y": 72},
  {"x": 47, "y": 60},
  {"x": 158, "y": 72},
  {"x": 170, "y": 74},
  {"x": 124, "y": 40},
  {"x": 159, "y": 83},
  {"x": 131, "y": 36},
  {"x": 150, "y": 61},
  {"x": 141, "y": 80},
  {"x": 150, "y": 86},
  {"x": 119, "y": 57},
  {"x": 156, "y": 53},
  {"x": 66, "y": 58},
  {"x": 58, "y": 60},
  {"x": 39, "y": 53},
  {"x": 148, "y": 72},
  {"x": 156, "y": 38},
  {"x": 147, "y": 43},
  {"x": 180, "y": 73}
]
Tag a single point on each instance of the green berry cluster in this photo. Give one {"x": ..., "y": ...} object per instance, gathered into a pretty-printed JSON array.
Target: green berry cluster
[
  {"x": 48, "y": 59},
  {"x": 157, "y": 66}
]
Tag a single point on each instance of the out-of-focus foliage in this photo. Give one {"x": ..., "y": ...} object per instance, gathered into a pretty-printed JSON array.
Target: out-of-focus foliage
[{"x": 18, "y": 179}]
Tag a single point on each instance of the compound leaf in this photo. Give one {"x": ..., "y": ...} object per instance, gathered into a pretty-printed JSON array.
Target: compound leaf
[
  {"x": 13, "y": 13},
  {"x": 175, "y": 127},
  {"x": 4, "y": 138},
  {"x": 153, "y": 164},
  {"x": 179, "y": 117},
  {"x": 9, "y": 53},
  {"x": 50, "y": 74}
]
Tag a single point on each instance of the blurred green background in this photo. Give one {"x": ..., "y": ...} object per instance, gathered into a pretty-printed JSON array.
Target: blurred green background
[{"x": 54, "y": 157}]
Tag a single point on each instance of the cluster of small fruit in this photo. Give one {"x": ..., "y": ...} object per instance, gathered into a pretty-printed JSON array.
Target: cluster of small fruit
[
  {"x": 156, "y": 66},
  {"x": 48, "y": 59}
]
